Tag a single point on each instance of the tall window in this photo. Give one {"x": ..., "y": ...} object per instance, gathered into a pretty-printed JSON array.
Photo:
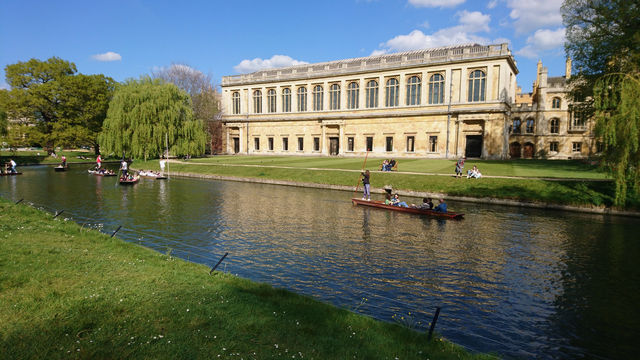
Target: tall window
[
  {"x": 411, "y": 143},
  {"x": 271, "y": 100},
  {"x": 270, "y": 141},
  {"x": 555, "y": 126},
  {"x": 372, "y": 94},
  {"x": 316, "y": 144},
  {"x": 236, "y": 102},
  {"x": 433, "y": 144},
  {"x": 413, "y": 90},
  {"x": 350, "y": 143},
  {"x": 256, "y": 144},
  {"x": 530, "y": 123},
  {"x": 286, "y": 100},
  {"x": 553, "y": 146},
  {"x": 353, "y": 95},
  {"x": 436, "y": 89},
  {"x": 555, "y": 103},
  {"x": 369, "y": 143},
  {"x": 389, "y": 144},
  {"x": 391, "y": 93},
  {"x": 577, "y": 120},
  {"x": 576, "y": 147},
  {"x": 334, "y": 97},
  {"x": 257, "y": 102},
  {"x": 300, "y": 144},
  {"x": 477, "y": 80},
  {"x": 318, "y": 98},
  {"x": 285, "y": 144},
  {"x": 517, "y": 124},
  {"x": 302, "y": 99}
]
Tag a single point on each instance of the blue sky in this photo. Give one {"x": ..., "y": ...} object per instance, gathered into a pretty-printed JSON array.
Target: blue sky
[{"x": 126, "y": 39}]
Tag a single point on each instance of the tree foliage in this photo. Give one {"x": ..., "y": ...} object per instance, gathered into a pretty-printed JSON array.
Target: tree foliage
[
  {"x": 603, "y": 38},
  {"x": 4, "y": 123},
  {"x": 66, "y": 108},
  {"x": 143, "y": 113},
  {"x": 205, "y": 98}
]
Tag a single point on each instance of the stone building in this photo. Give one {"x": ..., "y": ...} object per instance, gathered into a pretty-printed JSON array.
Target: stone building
[{"x": 434, "y": 103}]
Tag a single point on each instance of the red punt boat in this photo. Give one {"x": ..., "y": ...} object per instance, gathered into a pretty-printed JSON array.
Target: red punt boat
[
  {"x": 382, "y": 205},
  {"x": 129, "y": 181},
  {"x": 9, "y": 174}
]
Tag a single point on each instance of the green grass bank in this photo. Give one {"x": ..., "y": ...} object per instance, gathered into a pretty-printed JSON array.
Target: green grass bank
[
  {"x": 555, "y": 182},
  {"x": 67, "y": 292},
  {"x": 31, "y": 157}
]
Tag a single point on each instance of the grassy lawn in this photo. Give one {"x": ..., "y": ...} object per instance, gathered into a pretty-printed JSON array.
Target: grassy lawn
[
  {"x": 523, "y": 168},
  {"x": 73, "y": 293},
  {"x": 565, "y": 192}
]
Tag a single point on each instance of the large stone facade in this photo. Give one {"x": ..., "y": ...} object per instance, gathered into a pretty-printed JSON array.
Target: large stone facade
[{"x": 434, "y": 103}]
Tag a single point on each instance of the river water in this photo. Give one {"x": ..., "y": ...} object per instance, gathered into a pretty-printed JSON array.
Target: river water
[{"x": 523, "y": 283}]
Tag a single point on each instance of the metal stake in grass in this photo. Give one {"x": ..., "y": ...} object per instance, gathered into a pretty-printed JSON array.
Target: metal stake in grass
[
  {"x": 219, "y": 261},
  {"x": 433, "y": 322},
  {"x": 118, "y": 229},
  {"x": 58, "y": 213}
]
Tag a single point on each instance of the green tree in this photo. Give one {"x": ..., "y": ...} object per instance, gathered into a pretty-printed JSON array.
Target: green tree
[
  {"x": 4, "y": 122},
  {"x": 143, "y": 113},
  {"x": 66, "y": 108},
  {"x": 603, "y": 38}
]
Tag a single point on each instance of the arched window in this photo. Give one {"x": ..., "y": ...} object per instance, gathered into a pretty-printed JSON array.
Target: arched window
[
  {"x": 353, "y": 97},
  {"x": 318, "y": 98},
  {"x": 302, "y": 99},
  {"x": 236, "y": 102},
  {"x": 271, "y": 100},
  {"x": 413, "y": 90},
  {"x": 436, "y": 89},
  {"x": 517, "y": 124},
  {"x": 555, "y": 103},
  {"x": 334, "y": 97},
  {"x": 554, "y": 126},
  {"x": 391, "y": 93},
  {"x": 530, "y": 124},
  {"x": 286, "y": 100},
  {"x": 257, "y": 102},
  {"x": 372, "y": 94},
  {"x": 477, "y": 81}
]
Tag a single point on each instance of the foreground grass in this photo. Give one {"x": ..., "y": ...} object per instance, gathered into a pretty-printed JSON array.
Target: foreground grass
[
  {"x": 568, "y": 192},
  {"x": 69, "y": 293}
]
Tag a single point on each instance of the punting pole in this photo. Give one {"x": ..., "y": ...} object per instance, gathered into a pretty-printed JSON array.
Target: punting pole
[{"x": 364, "y": 164}]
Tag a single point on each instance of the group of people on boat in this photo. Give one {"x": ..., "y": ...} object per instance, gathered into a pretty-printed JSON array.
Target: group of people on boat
[
  {"x": 102, "y": 171},
  {"x": 149, "y": 173},
  {"x": 427, "y": 203},
  {"x": 10, "y": 167},
  {"x": 388, "y": 164}
]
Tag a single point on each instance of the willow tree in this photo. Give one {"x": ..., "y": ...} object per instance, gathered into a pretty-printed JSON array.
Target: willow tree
[{"x": 145, "y": 113}]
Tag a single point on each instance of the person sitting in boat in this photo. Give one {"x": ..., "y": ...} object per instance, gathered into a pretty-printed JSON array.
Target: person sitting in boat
[
  {"x": 388, "y": 199},
  {"x": 12, "y": 166},
  {"x": 442, "y": 207},
  {"x": 396, "y": 201},
  {"x": 427, "y": 204}
]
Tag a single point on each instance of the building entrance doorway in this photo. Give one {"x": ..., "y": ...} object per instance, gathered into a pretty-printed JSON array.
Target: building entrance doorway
[
  {"x": 334, "y": 146},
  {"x": 236, "y": 145},
  {"x": 515, "y": 150},
  {"x": 528, "y": 150},
  {"x": 474, "y": 146}
]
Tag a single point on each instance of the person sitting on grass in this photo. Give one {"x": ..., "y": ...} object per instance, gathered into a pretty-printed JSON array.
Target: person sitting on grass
[
  {"x": 385, "y": 165},
  {"x": 396, "y": 201},
  {"x": 474, "y": 173},
  {"x": 442, "y": 207},
  {"x": 392, "y": 163}
]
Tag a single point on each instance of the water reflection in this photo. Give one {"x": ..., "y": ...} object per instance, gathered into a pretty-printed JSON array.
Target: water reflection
[{"x": 524, "y": 283}]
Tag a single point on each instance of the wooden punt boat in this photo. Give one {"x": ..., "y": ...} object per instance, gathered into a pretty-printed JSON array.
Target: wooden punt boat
[
  {"x": 382, "y": 205},
  {"x": 61, "y": 168},
  {"x": 98, "y": 173},
  {"x": 129, "y": 181},
  {"x": 9, "y": 174}
]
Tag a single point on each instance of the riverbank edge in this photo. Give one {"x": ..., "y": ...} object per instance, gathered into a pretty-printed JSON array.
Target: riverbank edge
[
  {"x": 419, "y": 194},
  {"x": 439, "y": 345}
]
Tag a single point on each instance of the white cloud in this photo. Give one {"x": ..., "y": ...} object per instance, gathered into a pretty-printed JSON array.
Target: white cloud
[
  {"x": 463, "y": 33},
  {"x": 542, "y": 40},
  {"x": 529, "y": 15},
  {"x": 435, "y": 3},
  {"x": 276, "y": 61},
  {"x": 492, "y": 4},
  {"x": 108, "y": 56}
]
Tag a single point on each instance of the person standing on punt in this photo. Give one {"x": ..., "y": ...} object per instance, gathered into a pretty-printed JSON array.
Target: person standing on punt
[
  {"x": 124, "y": 166},
  {"x": 12, "y": 165},
  {"x": 98, "y": 162},
  {"x": 367, "y": 186}
]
